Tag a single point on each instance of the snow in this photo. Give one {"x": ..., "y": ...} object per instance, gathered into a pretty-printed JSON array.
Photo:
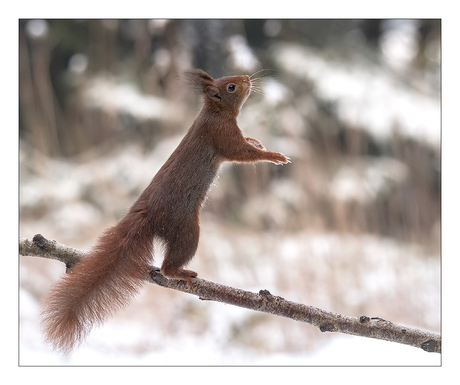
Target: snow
[
  {"x": 112, "y": 96},
  {"x": 211, "y": 333},
  {"x": 365, "y": 180},
  {"x": 366, "y": 96},
  {"x": 342, "y": 350}
]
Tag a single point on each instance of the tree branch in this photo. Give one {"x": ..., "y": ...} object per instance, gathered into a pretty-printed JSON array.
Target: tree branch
[{"x": 264, "y": 301}]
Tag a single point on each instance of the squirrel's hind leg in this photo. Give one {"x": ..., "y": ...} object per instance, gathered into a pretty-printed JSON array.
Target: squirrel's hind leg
[{"x": 179, "y": 253}]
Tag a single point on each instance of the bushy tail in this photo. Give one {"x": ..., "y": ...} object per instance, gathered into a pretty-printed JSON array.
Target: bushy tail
[{"x": 102, "y": 283}]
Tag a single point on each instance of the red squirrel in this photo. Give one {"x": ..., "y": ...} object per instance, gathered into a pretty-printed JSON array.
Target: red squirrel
[{"x": 169, "y": 209}]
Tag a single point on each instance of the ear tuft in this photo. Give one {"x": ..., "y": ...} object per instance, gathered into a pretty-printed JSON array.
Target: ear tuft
[{"x": 197, "y": 80}]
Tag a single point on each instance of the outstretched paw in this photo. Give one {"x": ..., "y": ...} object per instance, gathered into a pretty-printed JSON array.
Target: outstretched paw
[{"x": 280, "y": 159}]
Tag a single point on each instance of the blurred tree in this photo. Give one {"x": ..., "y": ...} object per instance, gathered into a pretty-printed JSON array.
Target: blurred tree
[{"x": 60, "y": 60}]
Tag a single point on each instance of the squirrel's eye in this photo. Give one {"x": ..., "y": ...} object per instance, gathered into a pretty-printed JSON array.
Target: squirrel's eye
[{"x": 231, "y": 88}]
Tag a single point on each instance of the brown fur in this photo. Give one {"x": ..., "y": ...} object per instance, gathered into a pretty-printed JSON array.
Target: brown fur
[{"x": 169, "y": 209}]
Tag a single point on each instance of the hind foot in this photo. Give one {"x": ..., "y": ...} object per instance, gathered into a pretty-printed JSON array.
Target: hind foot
[{"x": 183, "y": 274}]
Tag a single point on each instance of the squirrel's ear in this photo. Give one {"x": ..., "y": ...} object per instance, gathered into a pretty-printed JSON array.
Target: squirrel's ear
[
  {"x": 197, "y": 80},
  {"x": 213, "y": 93}
]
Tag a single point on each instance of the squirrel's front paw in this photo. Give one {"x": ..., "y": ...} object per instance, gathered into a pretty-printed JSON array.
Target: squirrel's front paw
[{"x": 280, "y": 159}]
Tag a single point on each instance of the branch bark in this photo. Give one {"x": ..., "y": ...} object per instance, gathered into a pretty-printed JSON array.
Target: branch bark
[{"x": 264, "y": 301}]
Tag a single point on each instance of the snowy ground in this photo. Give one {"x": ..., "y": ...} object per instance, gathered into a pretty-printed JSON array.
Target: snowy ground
[{"x": 378, "y": 278}]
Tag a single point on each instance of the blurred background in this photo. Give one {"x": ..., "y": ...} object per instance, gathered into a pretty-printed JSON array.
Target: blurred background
[{"x": 351, "y": 226}]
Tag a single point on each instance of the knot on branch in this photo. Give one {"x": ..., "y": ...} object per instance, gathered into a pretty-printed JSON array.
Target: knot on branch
[
  {"x": 42, "y": 242},
  {"x": 266, "y": 294},
  {"x": 431, "y": 346},
  {"x": 328, "y": 327}
]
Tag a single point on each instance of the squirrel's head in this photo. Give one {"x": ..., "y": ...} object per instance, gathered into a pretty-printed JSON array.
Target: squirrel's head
[{"x": 225, "y": 94}]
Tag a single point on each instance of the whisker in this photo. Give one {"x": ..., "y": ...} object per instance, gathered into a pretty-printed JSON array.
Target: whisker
[
  {"x": 257, "y": 90},
  {"x": 261, "y": 79},
  {"x": 263, "y": 69},
  {"x": 256, "y": 82},
  {"x": 255, "y": 73}
]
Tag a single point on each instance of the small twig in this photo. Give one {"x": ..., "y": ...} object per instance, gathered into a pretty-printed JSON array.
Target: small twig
[{"x": 263, "y": 301}]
